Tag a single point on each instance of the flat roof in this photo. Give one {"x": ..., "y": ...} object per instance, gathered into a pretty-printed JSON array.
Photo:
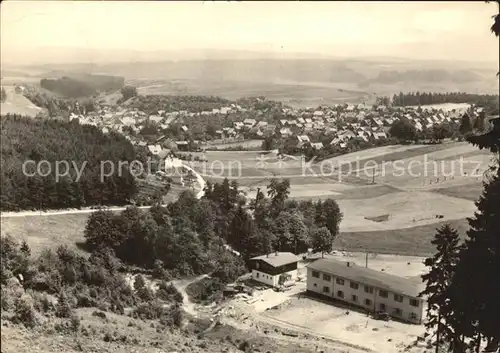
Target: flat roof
[{"x": 368, "y": 276}]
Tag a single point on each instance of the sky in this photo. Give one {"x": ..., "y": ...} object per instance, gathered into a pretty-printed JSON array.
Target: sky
[{"x": 420, "y": 30}]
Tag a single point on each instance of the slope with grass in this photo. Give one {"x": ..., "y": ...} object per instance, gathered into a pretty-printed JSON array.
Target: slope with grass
[{"x": 16, "y": 103}]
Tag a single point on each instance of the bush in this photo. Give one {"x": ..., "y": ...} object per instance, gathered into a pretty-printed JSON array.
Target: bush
[
  {"x": 6, "y": 300},
  {"x": 24, "y": 313},
  {"x": 42, "y": 302},
  {"x": 205, "y": 290},
  {"x": 75, "y": 322},
  {"x": 149, "y": 311},
  {"x": 139, "y": 283},
  {"x": 63, "y": 306},
  {"x": 173, "y": 317},
  {"x": 169, "y": 293}
]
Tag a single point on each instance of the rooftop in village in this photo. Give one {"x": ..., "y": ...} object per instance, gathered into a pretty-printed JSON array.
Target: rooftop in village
[{"x": 277, "y": 259}]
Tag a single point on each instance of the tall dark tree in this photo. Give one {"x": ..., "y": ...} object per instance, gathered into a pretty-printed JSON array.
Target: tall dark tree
[
  {"x": 403, "y": 129},
  {"x": 465, "y": 125},
  {"x": 441, "y": 268},
  {"x": 3, "y": 95},
  {"x": 241, "y": 232},
  {"x": 278, "y": 192},
  {"x": 322, "y": 240},
  {"x": 102, "y": 229},
  {"x": 473, "y": 294},
  {"x": 128, "y": 92}
]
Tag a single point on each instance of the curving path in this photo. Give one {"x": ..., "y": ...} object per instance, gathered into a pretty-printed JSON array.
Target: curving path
[{"x": 181, "y": 286}]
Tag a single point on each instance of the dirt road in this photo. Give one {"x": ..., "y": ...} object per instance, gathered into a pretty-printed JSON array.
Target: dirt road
[{"x": 181, "y": 286}]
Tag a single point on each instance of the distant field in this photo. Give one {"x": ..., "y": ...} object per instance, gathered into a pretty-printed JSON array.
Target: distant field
[
  {"x": 446, "y": 106},
  {"x": 244, "y": 144},
  {"x": 46, "y": 231},
  {"x": 405, "y": 210},
  {"x": 413, "y": 241},
  {"x": 469, "y": 192},
  {"x": 18, "y": 104},
  {"x": 292, "y": 94}
]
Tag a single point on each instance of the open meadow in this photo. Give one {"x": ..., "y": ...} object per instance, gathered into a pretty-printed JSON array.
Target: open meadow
[
  {"x": 16, "y": 103},
  {"x": 290, "y": 93},
  {"x": 379, "y": 189}
]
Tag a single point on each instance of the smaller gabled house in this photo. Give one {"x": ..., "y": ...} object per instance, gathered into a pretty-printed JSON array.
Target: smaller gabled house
[
  {"x": 154, "y": 149},
  {"x": 182, "y": 145},
  {"x": 317, "y": 145},
  {"x": 249, "y": 122},
  {"x": 274, "y": 269}
]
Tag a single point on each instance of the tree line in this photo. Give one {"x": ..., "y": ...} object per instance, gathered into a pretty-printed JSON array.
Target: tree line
[
  {"x": 82, "y": 85},
  {"x": 405, "y": 131},
  {"x": 428, "y": 98},
  {"x": 82, "y": 146}
]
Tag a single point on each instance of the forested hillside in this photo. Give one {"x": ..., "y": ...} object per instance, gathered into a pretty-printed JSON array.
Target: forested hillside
[
  {"x": 82, "y": 147},
  {"x": 77, "y": 86}
]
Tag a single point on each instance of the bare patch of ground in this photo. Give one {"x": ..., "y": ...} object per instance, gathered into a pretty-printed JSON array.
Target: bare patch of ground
[{"x": 355, "y": 328}]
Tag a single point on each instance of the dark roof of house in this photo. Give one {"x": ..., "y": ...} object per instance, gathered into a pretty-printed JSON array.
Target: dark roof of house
[
  {"x": 363, "y": 275},
  {"x": 277, "y": 259}
]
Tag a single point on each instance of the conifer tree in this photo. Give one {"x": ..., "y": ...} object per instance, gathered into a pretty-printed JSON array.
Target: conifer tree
[
  {"x": 474, "y": 291},
  {"x": 441, "y": 269}
]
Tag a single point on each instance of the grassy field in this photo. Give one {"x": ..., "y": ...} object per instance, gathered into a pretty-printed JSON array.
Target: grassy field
[
  {"x": 471, "y": 191},
  {"x": 42, "y": 232},
  {"x": 303, "y": 95},
  {"x": 405, "y": 210},
  {"x": 18, "y": 104},
  {"x": 413, "y": 241},
  {"x": 245, "y": 144}
]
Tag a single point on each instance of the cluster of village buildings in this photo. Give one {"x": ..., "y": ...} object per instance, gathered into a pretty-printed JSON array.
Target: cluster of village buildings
[{"x": 339, "y": 122}]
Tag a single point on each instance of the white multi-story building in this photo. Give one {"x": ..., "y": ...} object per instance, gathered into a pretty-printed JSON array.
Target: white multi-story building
[
  {"x": 366, "y": 288},
  {"x": 274, "y": 269}
]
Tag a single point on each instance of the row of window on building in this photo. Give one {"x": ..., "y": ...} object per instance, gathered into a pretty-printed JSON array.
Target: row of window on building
[
  {"x": 368, "y": 302},
  {"x": 368, "y": 289}
]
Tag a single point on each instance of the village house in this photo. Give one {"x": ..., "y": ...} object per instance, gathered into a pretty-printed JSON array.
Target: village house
[
  {"x": 154, "y": 149},
  {"x": 274, "y": 269},
  {"x": 182, "y": 145},
  {"x": 366, "y": 288},
  {"x": 317, "y": 145}
]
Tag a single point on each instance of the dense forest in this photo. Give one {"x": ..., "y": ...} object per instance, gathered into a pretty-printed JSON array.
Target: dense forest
[
  {"x": 151, "y": 104},
  {"x": 436, "y": 75},
  {"x": 83, "y": 147},
  {"x": 67, "y": 87},
  {"x": 82, "y": 85},
  {"x": 190, "y": 236},
  {"x": 425, "y": 98}
]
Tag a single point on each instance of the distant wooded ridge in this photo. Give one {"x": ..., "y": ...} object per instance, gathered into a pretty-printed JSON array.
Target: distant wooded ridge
[
  {"x": 82, "y": 85},
  {"x": 490, "y": 101}
]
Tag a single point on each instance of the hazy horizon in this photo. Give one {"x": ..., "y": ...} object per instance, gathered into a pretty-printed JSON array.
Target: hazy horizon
[{"x": 49, "y": 32}]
